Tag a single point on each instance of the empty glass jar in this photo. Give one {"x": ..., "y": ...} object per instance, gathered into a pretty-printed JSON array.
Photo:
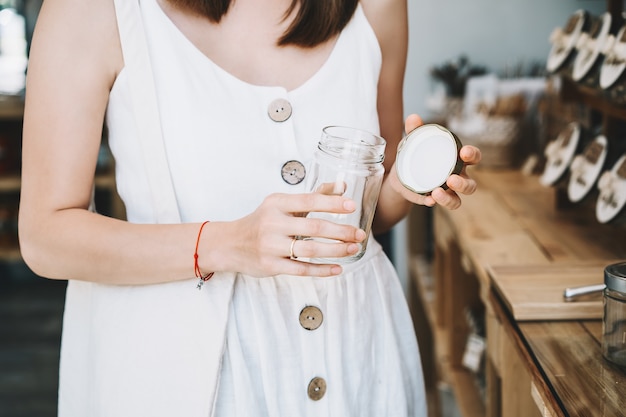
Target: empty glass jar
[{"x": 348, "y": 162}]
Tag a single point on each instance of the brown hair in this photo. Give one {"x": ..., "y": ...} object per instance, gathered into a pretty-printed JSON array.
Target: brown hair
[{"x": 316, "y": 20}]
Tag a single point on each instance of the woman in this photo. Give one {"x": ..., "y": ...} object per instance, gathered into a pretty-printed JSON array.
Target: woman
[{"x": 205, "y": 102}]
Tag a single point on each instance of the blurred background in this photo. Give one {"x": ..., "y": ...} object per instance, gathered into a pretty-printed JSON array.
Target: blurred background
[
  {"x": 507, "y": 40},
  {"x": 464, "y": 56}
]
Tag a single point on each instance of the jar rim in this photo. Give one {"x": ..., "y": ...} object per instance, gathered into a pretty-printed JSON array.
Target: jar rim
[
  {"x": 352, "y": 144},
  {"x": 615, "y": 277},
  {"x": 354, "y": 134}
]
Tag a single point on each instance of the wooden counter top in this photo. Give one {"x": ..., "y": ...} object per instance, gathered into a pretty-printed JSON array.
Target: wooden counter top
[
  {"x": 507, "y": 200},
  {"x": 569, "y": 356},
  {"x": 512, "y": 226},
  {"x": 536, "y": 292}
]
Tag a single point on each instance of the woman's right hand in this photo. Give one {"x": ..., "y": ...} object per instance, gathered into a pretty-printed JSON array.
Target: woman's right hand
[{"x": 260, "y": 243}]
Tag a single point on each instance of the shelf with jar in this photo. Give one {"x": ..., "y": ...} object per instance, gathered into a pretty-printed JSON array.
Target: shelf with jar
[
  {"x": 585, "y": 162},
  {"x": 11, "y": 119}
]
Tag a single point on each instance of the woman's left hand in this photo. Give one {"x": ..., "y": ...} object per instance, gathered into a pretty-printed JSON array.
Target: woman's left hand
[{"x": 457, "y": 184}]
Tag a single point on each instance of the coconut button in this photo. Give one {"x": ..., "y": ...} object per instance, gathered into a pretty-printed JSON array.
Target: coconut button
[
  {"x": 279, "y": 110},
  {"x": 293, "y": 172},
  {"x": 316, "y": 388},
  {"x": 311, "y": 318}
]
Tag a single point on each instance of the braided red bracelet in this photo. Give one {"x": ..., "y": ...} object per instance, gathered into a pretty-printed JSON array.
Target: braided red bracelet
[{"x": 196, "y": 267}]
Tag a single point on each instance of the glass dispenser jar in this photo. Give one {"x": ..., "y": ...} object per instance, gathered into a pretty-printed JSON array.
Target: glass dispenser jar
[{"x": 614, "y": 320}]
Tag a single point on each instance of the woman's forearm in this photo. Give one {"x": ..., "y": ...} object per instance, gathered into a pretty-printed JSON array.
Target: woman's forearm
[
  {"x": 392, "y": 207},
  {"x": 78, "y": 244}
]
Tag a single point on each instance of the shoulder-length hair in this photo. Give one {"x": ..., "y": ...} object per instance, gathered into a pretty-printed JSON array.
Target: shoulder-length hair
[{"x": 316, "y": 20}]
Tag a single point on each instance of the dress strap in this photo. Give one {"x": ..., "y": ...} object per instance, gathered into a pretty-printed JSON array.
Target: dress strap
[{"x": 146, "y": 111}]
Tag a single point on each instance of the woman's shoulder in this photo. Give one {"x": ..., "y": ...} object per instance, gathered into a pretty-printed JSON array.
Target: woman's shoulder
[
  {"x": 389, "y": 20},
  {"x": 82, "y": 32},
  {"x": 384, "y": 15}
]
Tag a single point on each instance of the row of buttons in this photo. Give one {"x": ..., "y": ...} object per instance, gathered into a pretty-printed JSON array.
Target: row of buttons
[
  {"x": 311, "y": 318},
  {"x": 293, "y": 172}
]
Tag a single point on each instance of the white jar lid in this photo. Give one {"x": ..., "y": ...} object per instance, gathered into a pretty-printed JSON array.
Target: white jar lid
[{"x": 426, "y": 157}]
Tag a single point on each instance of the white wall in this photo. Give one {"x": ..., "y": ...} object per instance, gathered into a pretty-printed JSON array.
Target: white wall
[{"x": 491, "y": 33}]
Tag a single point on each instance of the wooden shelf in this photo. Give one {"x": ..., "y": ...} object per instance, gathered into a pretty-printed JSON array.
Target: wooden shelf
[
  {"x": 9, "y": 182},
  {"x": 11, "y": 107},
  {"x": 420, "y": 271},
  {"x": 444, "y": 303},
  {"x": 591, "y": 97},
  {"x": 12, "y": 182},
  {"x": 10, "y": 254},
  {"x": 468, "y": 397}
]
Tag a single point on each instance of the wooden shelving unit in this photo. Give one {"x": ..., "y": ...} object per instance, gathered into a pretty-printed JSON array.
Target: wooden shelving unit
[
  {"x": 594, "y": 97},
  {"x": 511, "y": 228}
]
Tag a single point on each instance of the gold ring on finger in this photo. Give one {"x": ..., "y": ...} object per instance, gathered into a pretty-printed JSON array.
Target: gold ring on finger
[{"x": 291, "y": 254}]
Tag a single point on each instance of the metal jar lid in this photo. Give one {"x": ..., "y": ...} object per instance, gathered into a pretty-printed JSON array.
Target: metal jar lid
[
  {"x": 615, "y": 277},
  {"x": 426, "y": 157}
]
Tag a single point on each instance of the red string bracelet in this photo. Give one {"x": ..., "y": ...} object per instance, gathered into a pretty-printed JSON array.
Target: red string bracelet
[{"x": 196, "y": 267}]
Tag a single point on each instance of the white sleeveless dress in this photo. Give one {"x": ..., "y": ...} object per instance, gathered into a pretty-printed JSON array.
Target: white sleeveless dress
[{"x": 243, "y": 346}]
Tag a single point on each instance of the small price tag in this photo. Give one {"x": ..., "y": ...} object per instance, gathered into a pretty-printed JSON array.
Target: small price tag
[{"x": 474, "y": 352}]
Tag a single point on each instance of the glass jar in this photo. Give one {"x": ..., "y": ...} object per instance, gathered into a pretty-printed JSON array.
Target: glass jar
[
  {"x": 348, "y": 162},
  {"x": 614, "y": 320}
]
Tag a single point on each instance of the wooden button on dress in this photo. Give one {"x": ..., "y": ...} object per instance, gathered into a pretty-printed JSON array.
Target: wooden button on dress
[
  {"x": 279, "y": 110},
  {"x": 317, "y": 388},
  {"x": 311, "y": 317},
  {"x": 293, "y": 172}
]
